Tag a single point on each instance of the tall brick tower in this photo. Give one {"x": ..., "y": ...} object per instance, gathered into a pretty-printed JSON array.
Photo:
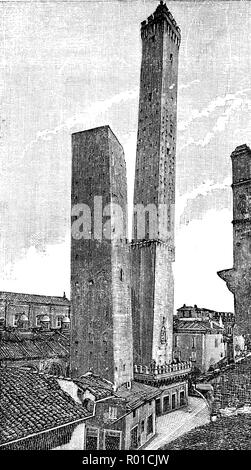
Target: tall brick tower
[
  {"x": 100, "y": 273},
  {"x": 238, "y": 278},
  {"x": 152, "y": 253}
]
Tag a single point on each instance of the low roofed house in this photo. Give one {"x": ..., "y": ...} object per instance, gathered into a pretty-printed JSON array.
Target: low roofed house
[
  {"x": 36, "y": 414},
  {"x": 44, "y": 351},
  {"x": 124, "y": 419}
]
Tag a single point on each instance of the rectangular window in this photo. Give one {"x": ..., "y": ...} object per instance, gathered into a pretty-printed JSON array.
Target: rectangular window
[
  {"x": 173, "y": 402},
  {"x": 158, "y": 407},
  {"x": 112, "y": 439},
  {"x": 134, "y": 413},
  {"x": 193, "y": 356},
  {"x": 182, "y": 398},
  {"x": 59, "y": 322},
  {"x": 166, "y": 404},
  {"x": 216, "y": 342},
  {"x": 193, "y": 342},
  {"x": 134, "y": 438},
  {"x": 176, "y": 341},
  {"x": 142, "y": 426},
  {"x": 150, "y": 424},
  {"x": 112, "y": 413},
  {"x": 15, "y": 320},
  {"x": 91, "y": 439}
]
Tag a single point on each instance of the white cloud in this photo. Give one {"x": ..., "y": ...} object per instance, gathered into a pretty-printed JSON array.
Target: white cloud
[
  {"x": 87, "y": 118},
  {"x": 203, "y": 189},
  {"x": 37, "y": 272},
  {"x": 218, "y": 102},
  {"x": 221, "y": 122}
]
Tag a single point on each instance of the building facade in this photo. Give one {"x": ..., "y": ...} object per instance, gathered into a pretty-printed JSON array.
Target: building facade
[
  {"x": 224, "y": 319},
  {"x": 124, "y": 419},
  {"x": 199, "y": 341},
  {"x": 238, "y": 278},
  {"x": 33, "y": 310},
  {"x": 100, "y": 275},
  {"x": 152, "y": 249}
]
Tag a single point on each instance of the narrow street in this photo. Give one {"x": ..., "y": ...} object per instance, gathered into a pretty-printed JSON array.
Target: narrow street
[{"x": 179, "y": 422}]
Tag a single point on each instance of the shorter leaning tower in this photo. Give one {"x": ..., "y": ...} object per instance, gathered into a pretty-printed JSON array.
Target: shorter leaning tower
[{"x": 100, "y": 292}]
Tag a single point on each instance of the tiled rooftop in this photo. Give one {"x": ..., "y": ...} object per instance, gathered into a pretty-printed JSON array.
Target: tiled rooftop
[
  {"x": 133, "y": 397},
  {"x": 99, "y": 387},
  {"x": 186, "y": 324},
  {"x": 31, "y": 403},
  {"x": 36, "y": 346},
  {"x": 34, "y": 298},
  {"x": 138, "y": 394}
]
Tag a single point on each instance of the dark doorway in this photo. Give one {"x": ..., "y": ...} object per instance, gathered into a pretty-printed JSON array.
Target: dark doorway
[
  {"x": 182, "y": 398},
  {"x": 158, "y": 407},
  {"x": 173, "y": 402},
  {"x": 150, "y": 424},
  {"x": 91, "y": 439},
  {"x": 166, "y": 404},
  {"x": 112, "y": 441},
  {"x": 134, "y": 438}
]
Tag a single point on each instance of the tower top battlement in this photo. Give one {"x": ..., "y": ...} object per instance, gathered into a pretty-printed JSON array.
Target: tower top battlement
[
  {"x": 241, "y": 164},
  {"x": 161, "y": 12},
  {"x": 241, "y": 150}
]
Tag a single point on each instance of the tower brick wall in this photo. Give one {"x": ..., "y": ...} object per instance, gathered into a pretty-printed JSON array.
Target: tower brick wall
[
  {"x": 238, "y": 278},
  {"x": 153, "y": 253},
  {"x": 100, "y": 274}
]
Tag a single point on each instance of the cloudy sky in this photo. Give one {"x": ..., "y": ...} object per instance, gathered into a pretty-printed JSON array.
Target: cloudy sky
[{"x": 67, "y": 66}]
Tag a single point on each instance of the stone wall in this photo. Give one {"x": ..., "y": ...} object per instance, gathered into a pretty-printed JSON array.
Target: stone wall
[
  {"x": 11, "y": 310},
  {"x": 139, "y": 419},
  {"x": 100, "y": 283},
  {"x": 166, "y": 401},
  {"x": 204, "y": 349},
  {"x": 214, "y": 349},
  {"x": 183, "y": 348},
  {"x": 238, "y": 278},
  {"x": 77, "y": 439}
]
